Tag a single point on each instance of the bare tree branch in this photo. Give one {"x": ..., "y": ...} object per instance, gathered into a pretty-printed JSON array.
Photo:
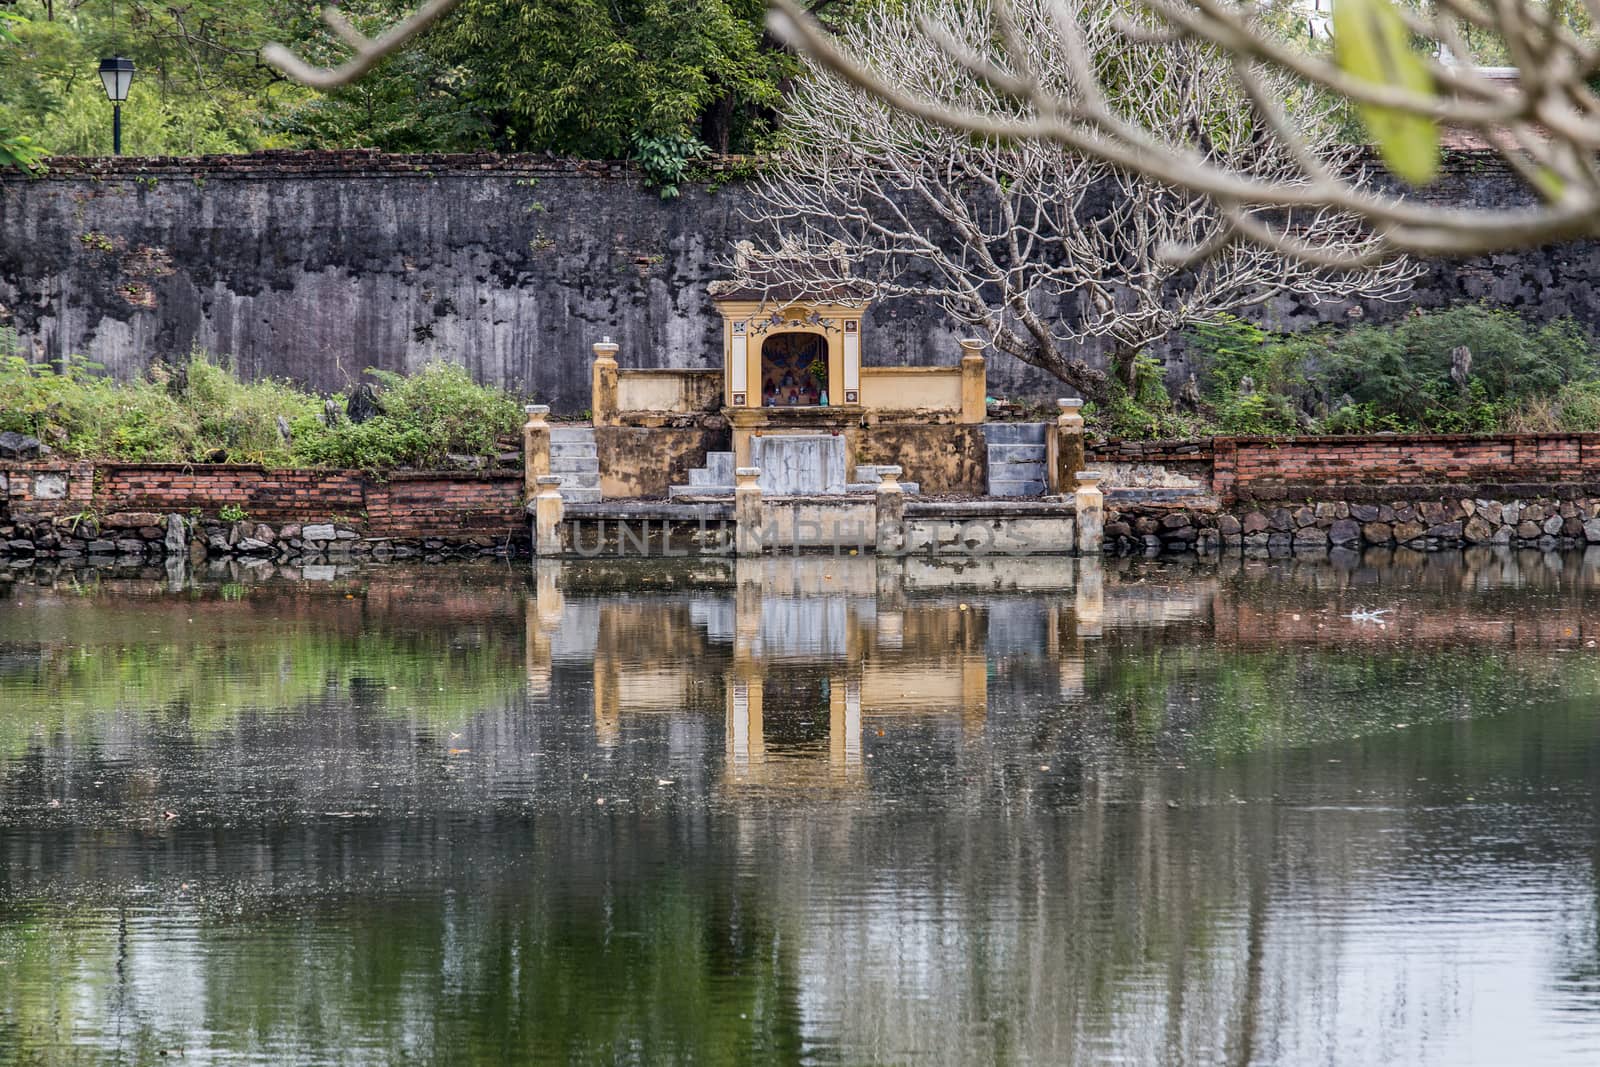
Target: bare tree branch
[
  {"x": 1042, "y": 246},
  {"x": 1546, "y": 126},
  {"x": 369, "y": 51}
]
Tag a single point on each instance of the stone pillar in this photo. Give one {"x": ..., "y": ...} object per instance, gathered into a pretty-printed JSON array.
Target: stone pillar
[
  {"x": 890, "y": 537},
  {"x": 747, "y": 511},
  {"x": 535, "y": 448},
  {"x": 603, "y": 401},
  {"x": 1089, "y": 599},
  {"x": 1091, "y": 512},
  {"x": 542, "y": 620},
  {"x": 974, "y": 382},
  {"x": 844, "y": 727},
  {"x": 1064, "y": 447},
  {"x": 547, "y": 515}
]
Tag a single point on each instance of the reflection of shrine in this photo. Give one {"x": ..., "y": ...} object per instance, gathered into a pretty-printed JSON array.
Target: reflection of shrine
[
  {"x": 802, "y": 659},
  {"x": 807, "y": 660},
  {"x": 818, "y": 656}
]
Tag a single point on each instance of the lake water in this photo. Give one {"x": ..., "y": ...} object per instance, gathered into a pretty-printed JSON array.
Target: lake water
[{"x": 1031, "y": 812}]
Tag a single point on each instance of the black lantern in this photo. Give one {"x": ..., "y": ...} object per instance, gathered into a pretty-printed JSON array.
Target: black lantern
[{"x": 116, "y": 74}]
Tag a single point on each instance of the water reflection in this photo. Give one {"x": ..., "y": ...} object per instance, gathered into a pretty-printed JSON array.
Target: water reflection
[{"x": 829, "y": 811}]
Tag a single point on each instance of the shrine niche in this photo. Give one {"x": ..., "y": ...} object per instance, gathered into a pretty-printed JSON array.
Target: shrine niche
[
  {"x": 794, "y": 370},
  {"x": 797, "y": 354}
]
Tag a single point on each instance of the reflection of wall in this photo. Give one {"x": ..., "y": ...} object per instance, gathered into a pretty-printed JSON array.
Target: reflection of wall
[{"x": 861, "y": 658}]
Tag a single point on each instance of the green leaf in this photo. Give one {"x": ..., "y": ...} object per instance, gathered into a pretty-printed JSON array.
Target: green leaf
[{"x": 1370, "y": 42}]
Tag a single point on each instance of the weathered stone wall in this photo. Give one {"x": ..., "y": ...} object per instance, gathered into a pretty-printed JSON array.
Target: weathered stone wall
[
  {"x": 941, "y": 457},
  {"x": 314, "y": 266},
  {"x": 648, "y": 454},
  {"x": 1556, "y": 517},
  {"x": 1424, "y": 490},
  {"x": 87, "y": 511}
]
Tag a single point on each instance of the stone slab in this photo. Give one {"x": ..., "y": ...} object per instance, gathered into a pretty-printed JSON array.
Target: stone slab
[{"x": 799, "y": 464}]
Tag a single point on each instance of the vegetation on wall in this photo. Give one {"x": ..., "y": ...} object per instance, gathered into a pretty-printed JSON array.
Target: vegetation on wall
[
  {"x": 199, "y": 411},
  {"x": 1466, "y": 369}
]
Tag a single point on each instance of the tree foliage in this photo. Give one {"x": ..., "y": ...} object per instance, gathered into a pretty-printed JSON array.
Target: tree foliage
[
  {"x": 1405, "y": 376},
  {"x": 658, "y": 81},
  {"x": 199, "y": 86},
  {"x": 16, "y": 149}
]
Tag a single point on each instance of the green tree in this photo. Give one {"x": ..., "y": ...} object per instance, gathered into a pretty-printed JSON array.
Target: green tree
[
  {"x": 16, "y": 149},
  {"x": 199, "y": 87},
  {"x": 595, "y": 78}
]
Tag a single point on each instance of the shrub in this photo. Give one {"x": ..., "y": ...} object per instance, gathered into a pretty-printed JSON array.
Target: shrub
[
  {"x": 1574, "y": 407},
  {"x": 200, "y": 410},
  {"x": 1404, "y": 369},
  {"x": 1232, "y": 351},
  {"x": 1396, "y": 377},
  {"x": 1146, "y": 412},
  {"x": 434, "y": 413}
]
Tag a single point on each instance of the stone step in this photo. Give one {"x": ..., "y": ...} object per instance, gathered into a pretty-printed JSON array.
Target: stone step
[
  {"x": 911, "y": 488},
  {"x": 577, "y": 495},
  {"x": 1016, "y": 454},
  {"x": 581, "y": 479},
  {"x": 720, "y": 464},
  {"x": 675, "y": 491},
  {"x": 572, "y": 446},
  {"x": 1012, "y": 472},
  {"x": 1014, "y": 433},
  {"x": 571, "y": 432},
  {"x": 1015, "y": 487},
  {"x": 574, "y": 465},
  {"x": 702, "y": 476}
]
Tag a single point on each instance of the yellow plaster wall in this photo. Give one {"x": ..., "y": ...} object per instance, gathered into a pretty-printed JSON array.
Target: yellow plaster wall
[
  {"x": 675, "y": 391},
  {"x": 911, "y": 388}
]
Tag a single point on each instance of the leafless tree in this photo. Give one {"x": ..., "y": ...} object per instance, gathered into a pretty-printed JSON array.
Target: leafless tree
[
  {"x": 1546, "y": 125},
  {"x": 1027, "y": 240}
]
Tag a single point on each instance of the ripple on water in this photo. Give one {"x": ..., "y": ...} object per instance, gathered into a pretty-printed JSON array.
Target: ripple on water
[{"x": 456, "y": 816}]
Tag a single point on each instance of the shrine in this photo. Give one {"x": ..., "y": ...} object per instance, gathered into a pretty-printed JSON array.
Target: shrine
[{"x": 796, "y": 395}]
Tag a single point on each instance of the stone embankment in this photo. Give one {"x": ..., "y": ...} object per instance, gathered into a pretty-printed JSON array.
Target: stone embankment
[
  {"x": 1423, "y": 491},
  {"x": 127, "y": 512},
  {"x": 132, "y": 537},
  {"x": 1543, "y": 521}
]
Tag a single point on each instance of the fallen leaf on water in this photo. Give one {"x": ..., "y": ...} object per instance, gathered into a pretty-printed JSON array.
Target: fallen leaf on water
[
  {"x": 459, "y": 751},
  {"x": 169, "y": 815}
]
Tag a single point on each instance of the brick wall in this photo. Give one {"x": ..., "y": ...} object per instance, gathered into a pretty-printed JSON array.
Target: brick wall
[
  {"x": 1278, "y": 468},
  {"x": 402, "y": 504}
]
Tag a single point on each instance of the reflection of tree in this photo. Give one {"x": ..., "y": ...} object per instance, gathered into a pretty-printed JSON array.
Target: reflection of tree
[
  {"x": 593, "y": 953},
  {"x": 1207, "y": 803},
  {"x": 204, "y": 659}
]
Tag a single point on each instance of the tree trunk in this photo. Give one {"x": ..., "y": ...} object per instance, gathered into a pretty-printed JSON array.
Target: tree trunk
[
  {"x": 716, "y": 124},
  {"x": 1090, "y": 383},
  {"x": 1124, "y": 364}
]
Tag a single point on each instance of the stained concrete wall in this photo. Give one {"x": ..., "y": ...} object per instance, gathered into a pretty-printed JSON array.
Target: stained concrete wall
[{"x": 314, "y": 266}]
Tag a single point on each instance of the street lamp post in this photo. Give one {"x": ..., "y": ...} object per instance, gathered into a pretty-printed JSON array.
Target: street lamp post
[{"x": 116, "y": 74}]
